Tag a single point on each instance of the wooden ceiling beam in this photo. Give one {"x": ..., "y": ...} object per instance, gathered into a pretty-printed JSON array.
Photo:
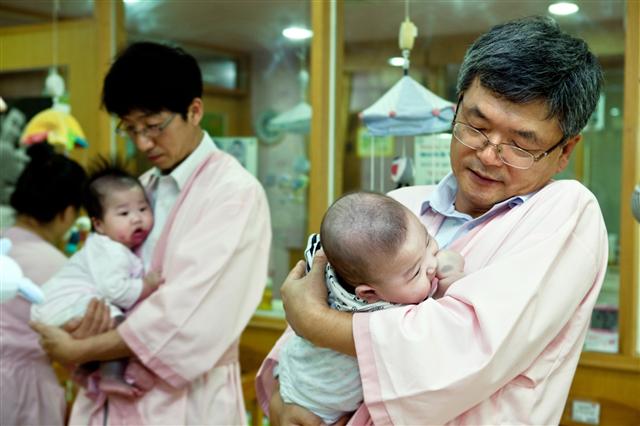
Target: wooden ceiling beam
[{"x": 13, "y": 12}]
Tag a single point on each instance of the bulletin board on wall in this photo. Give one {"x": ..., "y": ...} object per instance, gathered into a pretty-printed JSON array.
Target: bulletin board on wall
[
  {"x": 243, "y": 149},
  {"x": 431, "y": 158}
]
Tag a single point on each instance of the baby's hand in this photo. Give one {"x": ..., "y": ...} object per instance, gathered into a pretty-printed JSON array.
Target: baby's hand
[
  {"x": 450, "y": 269},
  {"x": 150, "y": 283}
]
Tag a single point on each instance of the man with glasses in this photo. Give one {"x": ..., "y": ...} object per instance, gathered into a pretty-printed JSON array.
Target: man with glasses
[
  {"x": 211, "y": 241},
  {"x": 502, "y": 345}
]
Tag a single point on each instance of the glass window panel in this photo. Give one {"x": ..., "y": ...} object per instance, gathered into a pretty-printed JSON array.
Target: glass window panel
[{"x": 598, "y": 164}]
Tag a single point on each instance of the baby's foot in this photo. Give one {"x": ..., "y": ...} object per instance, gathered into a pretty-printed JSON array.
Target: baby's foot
[
  {"x": 115, "y": 386},
  {"x": 137, "y": 375}
]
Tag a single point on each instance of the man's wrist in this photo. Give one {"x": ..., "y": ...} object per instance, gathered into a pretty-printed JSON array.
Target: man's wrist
[
  {"x": 314, "y": 323},
  {"x": 146, "y": 290},
  {"x": 82, "y": 351}
]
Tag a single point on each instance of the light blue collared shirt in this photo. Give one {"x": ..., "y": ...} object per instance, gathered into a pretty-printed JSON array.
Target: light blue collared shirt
[{"x": 456, "y": 224}]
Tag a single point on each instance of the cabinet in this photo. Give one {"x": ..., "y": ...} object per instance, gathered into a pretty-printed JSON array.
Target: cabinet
[
  {"x": 255, "y": 343},
  {"x": 611, "y": 387}
]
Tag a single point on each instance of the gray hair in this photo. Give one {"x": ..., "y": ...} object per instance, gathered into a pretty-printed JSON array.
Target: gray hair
[
  {"x": 531, "y": 59},
  {"x": 359, "y": 228}
]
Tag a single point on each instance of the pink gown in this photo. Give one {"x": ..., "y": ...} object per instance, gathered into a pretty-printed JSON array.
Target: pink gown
[
  {"x": 31, "y": 394},
  {"x": 214, "y": 252},
  {"x": 502, "y": 345}
]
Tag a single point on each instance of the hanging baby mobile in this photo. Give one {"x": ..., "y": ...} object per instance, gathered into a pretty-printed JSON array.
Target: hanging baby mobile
[
  {"x": 55, "y": 125},
  {"x": 411, "y": 115}
]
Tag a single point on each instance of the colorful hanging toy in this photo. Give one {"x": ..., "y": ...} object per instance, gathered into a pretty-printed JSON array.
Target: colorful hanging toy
[{"x": 56, "y": 127}]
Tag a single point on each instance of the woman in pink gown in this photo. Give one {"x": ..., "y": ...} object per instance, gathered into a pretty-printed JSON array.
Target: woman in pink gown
[{"x": 46, "y": 200}]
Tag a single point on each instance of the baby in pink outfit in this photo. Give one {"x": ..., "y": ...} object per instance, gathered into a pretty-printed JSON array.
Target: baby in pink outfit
[{"x": 107, "y": 268}]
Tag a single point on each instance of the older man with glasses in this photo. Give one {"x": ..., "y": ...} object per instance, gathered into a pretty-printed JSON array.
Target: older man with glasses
[{"x": 501, "y": 346}]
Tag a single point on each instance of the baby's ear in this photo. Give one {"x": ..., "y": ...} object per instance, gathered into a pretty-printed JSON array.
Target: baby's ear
[
  {"x": 367, "y": 293},
  {"x": 97, "y": 225}
]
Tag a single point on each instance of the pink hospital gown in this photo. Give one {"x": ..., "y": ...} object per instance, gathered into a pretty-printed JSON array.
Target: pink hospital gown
[{"x": 31, "y": 394}]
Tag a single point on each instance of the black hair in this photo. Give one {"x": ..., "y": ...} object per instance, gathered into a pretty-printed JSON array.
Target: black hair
[
  {"x": 104, "y": 177},
  {"x": 48, "y": 185},
  {"x": 531, "y": 59},
  {"x": 361, "y": 227},
  {"x": 152, "y": 77}
]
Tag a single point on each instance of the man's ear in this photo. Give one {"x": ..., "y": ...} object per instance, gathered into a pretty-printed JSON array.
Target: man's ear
[
  {"x": 196, "y": 111},
  {"x": 367, "y": 293},
  {"x": 566, "y": 151}
]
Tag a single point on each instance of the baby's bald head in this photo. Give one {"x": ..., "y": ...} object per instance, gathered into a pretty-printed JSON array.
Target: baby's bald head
[{"x": 360, "y": 229}]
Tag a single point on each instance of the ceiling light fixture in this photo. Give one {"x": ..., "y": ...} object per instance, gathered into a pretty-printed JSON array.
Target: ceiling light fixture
[
  {"x": 563, "y": 8},
  {"x": 396, "y": 61},
  {"x": 297, "y": 33}
]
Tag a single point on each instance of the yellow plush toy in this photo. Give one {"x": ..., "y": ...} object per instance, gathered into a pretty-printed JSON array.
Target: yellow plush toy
[{"x": 56, "y": 127}]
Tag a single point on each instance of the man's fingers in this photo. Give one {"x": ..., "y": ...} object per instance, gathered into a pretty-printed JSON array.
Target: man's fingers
[
  {"x": 84, "y": 329},
  {"x": 275, "y": 408},
  {"x": 96, "y": 320},
  {"x": 72, "y": 325},
  {"x": 320, "y": 257},
  {"x": 100, "y": 320},
  {"x": 105, "y": 318},
  {"x": 38, "y": 327},
  {"x": 94, "y": 304},
  {"x": 44, "y": 331},
  {"x": 86, "y": 326},
  {"x": 318, "y": 266},
  {"x": 297, "y": 272},
  {"x": 319, "y": 263}
]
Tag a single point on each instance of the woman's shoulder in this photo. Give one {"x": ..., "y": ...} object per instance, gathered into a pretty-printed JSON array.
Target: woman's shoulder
[{"x": 38, "y": 259}]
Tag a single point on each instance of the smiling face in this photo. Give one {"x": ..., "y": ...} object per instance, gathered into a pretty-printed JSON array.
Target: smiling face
[
  {"x": 406, "y": 277},
  {"x": 483, "y": 179},
  {"x": 127, "y": 216}
]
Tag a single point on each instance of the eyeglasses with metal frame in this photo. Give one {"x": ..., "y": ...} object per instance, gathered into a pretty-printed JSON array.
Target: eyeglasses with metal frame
[
  {"x": 151, "y": 131},
  {"x": 509, "y": 154}
]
